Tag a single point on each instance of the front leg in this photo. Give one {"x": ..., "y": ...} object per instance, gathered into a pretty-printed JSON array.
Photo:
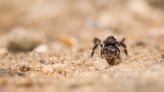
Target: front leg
[
  {"x": 121, "y": 43},
  {"x": 93, "y": 50},
  {"x": 125, "y": 50},
  {"x": 96, "y": 43},
  {"x": 102, "y": 53}
]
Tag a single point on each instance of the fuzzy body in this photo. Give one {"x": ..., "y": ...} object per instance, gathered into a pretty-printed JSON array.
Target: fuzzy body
[
  {"x": 109, "y": 49},
  {"x": 110, "y": 53}
]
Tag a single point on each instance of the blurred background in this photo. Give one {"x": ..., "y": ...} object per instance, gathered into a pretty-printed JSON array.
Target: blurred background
[
  {"x": 55, "y": 18},
  {"x": 83, "y": 19},
  {"x": 66, "y": 28}
]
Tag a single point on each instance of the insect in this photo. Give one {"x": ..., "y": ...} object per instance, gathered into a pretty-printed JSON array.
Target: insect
[{"x": 109, "y": 49}]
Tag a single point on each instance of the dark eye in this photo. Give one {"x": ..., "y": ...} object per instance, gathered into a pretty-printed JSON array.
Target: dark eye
[{"x": 111, "y": 41}]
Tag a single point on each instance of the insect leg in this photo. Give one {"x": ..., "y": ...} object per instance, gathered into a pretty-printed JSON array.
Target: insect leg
[
  {"x": 102, "y": 53},
  {"x": 93, "y": 50},
  {"x": 121, "y": 43},
  {"x": 96, "y": 43}
]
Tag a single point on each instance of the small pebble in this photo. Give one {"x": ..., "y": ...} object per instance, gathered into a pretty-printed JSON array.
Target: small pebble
[
  {"x": 69, "y": 41},
  {"x": 22, "y": 39},
  {"x": 46, "y": 62},
  {"x": 41, "y": 48},
  {"x": 4, "y": 72},
  {"x": 24, "y": 68}
]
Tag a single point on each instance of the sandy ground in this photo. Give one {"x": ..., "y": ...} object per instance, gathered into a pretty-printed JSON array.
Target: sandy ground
[{"x": 45, "y": 45}]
